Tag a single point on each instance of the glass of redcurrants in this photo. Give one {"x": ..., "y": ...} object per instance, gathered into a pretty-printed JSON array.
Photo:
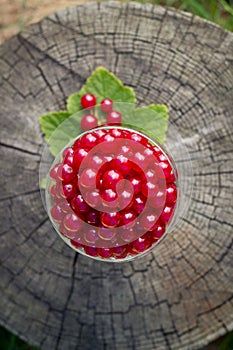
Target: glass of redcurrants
[{"x": 113, "y": 192}]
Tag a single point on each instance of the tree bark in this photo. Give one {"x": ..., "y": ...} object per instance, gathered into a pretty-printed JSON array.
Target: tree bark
[{"x": 181, "y": 295}]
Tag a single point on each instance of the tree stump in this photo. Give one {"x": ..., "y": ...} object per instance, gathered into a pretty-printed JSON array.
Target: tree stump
[{"x": 181, "y": 295}]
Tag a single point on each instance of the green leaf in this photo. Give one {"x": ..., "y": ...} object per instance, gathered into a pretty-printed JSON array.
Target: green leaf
[
  {"x": 102, "y": 84},
  {"x": 153, "y": 120},
  {"x": 64, "y": 133},
  {"x": 73, "y": 103},
  {"x": 49, "y": 122}
]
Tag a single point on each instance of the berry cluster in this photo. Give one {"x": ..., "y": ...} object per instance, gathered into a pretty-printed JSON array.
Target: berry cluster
[
  {"x": 89, "y": 121},
  {"x": 113, "y": 193}
]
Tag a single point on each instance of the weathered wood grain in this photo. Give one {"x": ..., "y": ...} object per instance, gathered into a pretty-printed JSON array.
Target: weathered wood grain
[{"x": 181, "y": 295}]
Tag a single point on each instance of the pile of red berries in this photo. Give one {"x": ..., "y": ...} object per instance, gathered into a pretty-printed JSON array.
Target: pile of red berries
[
  {"x": 113, "y": 193},
  {"x": 89, "y": 120}
]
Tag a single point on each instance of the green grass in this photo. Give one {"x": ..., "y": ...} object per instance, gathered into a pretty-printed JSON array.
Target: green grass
[
  {"x": 9, "y": 341},
  {"x": 218, "y": 11},
  {"x": 227, "y": 342}
]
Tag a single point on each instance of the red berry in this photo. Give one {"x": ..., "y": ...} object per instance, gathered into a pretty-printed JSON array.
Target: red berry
[
  {"x": 149, "y": 220},
  {"x": 162, "y": 158},
  {"x": 77, "y": 144},
  {"x": 119, "y": 252},
  {"x": 136, "y": 183},
  {"x": 117, "y": 133},
  {"x": 150, "y": 189},
  {"x": 72, "y": 222},
  {"x": 99, "y": 133},
  {"x": 91, "y": 236},
  {"x": 95, "y": 162},
  {"x": 89, "y": 122},
  {"x": 110, "y": 219},
  {"x": 127, "y": 234},
  {"x": 109, "y": 145},
  {"x": 131, "y": 250},
  {"x": 93, "y": 198},
  {"x": 91, "y": 251},
  {"x": 141, "y": 160},
  {"x": 92, "y": 217},
  {"x": 105, "y": 253},
  {"x": 106, "y": 105},
  {"x": 151, "y": 175},
  {"x": 138, "y": 138},
  {"x": 65, "y": 207},
  {"x": 138, "y": 229},
  {"x": 108, "y": 158},
  {"x": 157, "y": 151},
  {"x": 126, "y": 198},
  {"x": 171, "y": 194},
  {"x": 157, "y": 233},
  {"x": 128, "y": 218},
  {"x": 66, "y": 233},
  {"x": 124, "y": 150},
  {"x": 76, "y": 244},
  {"x": 109, "y": 195},
  {"x": 57, "y": 213},
  {"x": 59, "y": 191},
  {"x": 122, "y": 164},
  {"x": 88, "y": 101},
  {"x": 167, "y": 169},
  {"x": 56, "y": 172},
  {"x": 79, "y": 156},
  {"x": 69, "y": 151},
  {"x": 88, "y": 178},
  {"x": 68, "y": 173},
  {"x": 167, "y": 213},
  {"x": 141, "y": 244},
  {"x": 171, "y": 177},
  {"x": 69, "y": 190},
  {"x": 88, "y": 141},
  {"x": 148, "y": 152},
  {"x": 110, "y": 179},
  {"x": 139, "y": 203},
  {"x": 78, "y": 204},
  {"x": 114, "y": 117},
  {"x": 57, "y": 199},
  {"x": 53, "y": 191},
  {"x": 69, "y": 160},
  {"x": 158, "y": 200},
  {"x": 121, "y": 256},
  {"x": 106, "y": 233}
]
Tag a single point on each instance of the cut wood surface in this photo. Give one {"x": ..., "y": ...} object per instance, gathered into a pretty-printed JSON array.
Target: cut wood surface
[{"x": 181, "y": 295}]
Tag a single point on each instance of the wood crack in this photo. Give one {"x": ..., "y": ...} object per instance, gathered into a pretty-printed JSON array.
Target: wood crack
[
  {"x": 15, "y": 148},
  {"x": 25, "y": 41},
  {"x": 75, "y": 259}
]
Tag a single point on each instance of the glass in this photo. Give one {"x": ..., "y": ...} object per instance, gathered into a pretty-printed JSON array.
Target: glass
[{"x": 109, "y": 235}]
